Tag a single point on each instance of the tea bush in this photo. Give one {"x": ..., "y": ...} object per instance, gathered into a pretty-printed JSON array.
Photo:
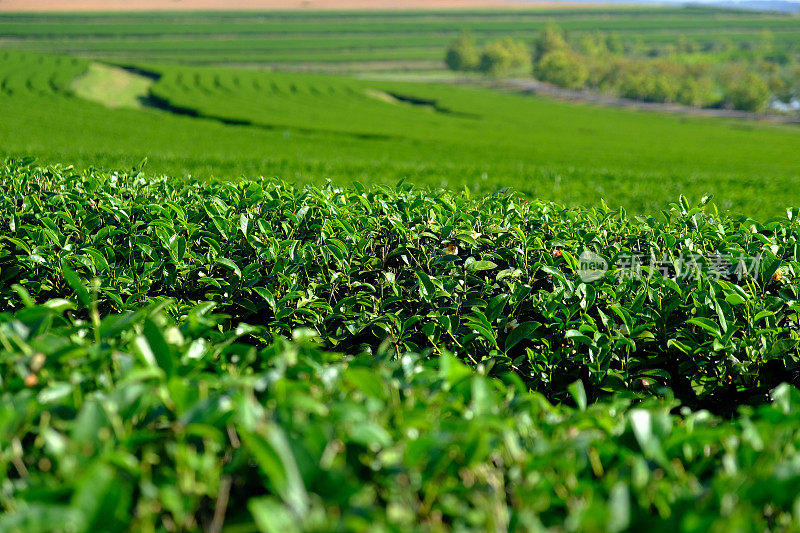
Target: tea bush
[
  {"x": 138, "y": 421},
  {"x": 495, "y": 280},
  {"x": 253, "y": 356}
]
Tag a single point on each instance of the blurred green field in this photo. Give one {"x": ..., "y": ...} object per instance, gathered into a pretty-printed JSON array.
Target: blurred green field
[
  {"x": 389, "y": 38},
  {"x": 309, "y": 128}
]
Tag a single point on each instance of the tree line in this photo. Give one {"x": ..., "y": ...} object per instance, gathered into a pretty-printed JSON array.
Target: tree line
[{"x": 717, "y": 74}]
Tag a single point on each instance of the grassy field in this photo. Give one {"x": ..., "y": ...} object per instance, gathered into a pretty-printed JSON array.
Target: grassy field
[
  {"x": 390, "y": 38},
  {"x": 309, "y": 128}
]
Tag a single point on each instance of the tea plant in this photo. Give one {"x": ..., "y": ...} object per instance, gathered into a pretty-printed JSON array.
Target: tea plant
[
  {"x": 254, "y": 356},
  {"x": 495, "y": 280},
  {"x": 137, "y": 421}
]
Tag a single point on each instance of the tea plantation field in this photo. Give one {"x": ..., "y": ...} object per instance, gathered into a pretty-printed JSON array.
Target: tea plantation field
[
  {"x": 179, "y": 355},
  {"x": 308, "y": 128},
  {"x": 236, "y": 299},
  {"x": 384, "y": 40}
]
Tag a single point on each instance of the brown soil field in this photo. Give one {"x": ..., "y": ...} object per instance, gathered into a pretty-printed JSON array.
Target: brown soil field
[{"x": 186, "y": 5}]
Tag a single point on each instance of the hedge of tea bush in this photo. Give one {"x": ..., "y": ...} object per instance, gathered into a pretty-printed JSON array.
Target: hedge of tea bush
[
  {"x": 495, "y": 280},
  {"x": 138, "y": 421},
  {"x": 252, "y": 356}
]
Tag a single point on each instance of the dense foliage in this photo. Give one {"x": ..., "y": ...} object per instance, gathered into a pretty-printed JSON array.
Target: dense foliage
[
  {"x": 132, "y": 421},
  {"x": 497, "y": 58},
  {"x": 148, "y": 383},
  {"x": 180, "y": 355},
  {"x": 496, "y": 280},
  {"x": 747, "y": 78}
]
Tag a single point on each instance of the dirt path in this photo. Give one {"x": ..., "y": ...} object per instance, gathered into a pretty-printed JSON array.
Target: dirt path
[
  {"x": 531, "y": 86},
  {"x": 164, "y": 5},
  {"x": 569, "y": 95},
  {"x": 537, "y": 87}
]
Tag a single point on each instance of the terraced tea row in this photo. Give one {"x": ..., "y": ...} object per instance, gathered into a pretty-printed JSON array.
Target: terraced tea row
[
  {"x": 161, "y": 423},
  {"x": 391, "y": 38},
  {"x": 312, "y": 102},
  {"x": 39, "y": 75},
  {"x": 308, "y": 127}
]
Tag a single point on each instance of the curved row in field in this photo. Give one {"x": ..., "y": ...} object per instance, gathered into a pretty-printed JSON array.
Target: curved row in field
[
  {"x": 497, "y": 124},
  {"x": 38, "y": 75},
  {"x": 305, "y": 102}
]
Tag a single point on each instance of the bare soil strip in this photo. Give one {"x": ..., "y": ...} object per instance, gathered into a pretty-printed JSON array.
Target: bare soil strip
[
  {"x": 588, "y": 96},
  {"x": 581, "y": 96},
  {"x": 269, "y": 5}
]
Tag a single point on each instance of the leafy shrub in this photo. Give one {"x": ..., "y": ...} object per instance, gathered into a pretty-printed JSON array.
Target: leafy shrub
[
  {"x": 694, "y": 92},
  {"x": 650, "y": 87},
  {"x": 463, "y": 54},
  {"x": 520, "y": 55},
  {"x": 565, "y": 69},
  {"x": 495, "y": 280},
  {"x": 495, "y": 59},
  {"x": 550, "y": 39},
  {"x": 135, "y": 421},
  {"x": 748, "y": 93},
  {"x": 499, "y": 57},
  {"x": 592, "y": 44}
]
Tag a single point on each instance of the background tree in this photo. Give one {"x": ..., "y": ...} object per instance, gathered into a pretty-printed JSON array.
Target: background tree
[
  {"x": 779, "y": 79},
  {"x": 614, "y": 43},
  {"x": 766, "y": 43},
  {"x": 463, "y": 55},
  {"x": 607, "y": 75},
  {"x": 551, "y": 39},
  {"x": 500, "y": 57},
  {"x": 634, "y": 85},
  {"x": 520, "y": 55},
  {"x": 780, "y": 87},
  {"x": 689, "y": 92},
  {"x": 592, "y": 44},
  {"x": 732, "y": 73},
  {"x": 496, "y": 59},
  {"x": 748, "y": 93},
  {"x": 563, "y": 68},
  {"x": 662, "y": 88},
  {"x": 695, "y": 91}
]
